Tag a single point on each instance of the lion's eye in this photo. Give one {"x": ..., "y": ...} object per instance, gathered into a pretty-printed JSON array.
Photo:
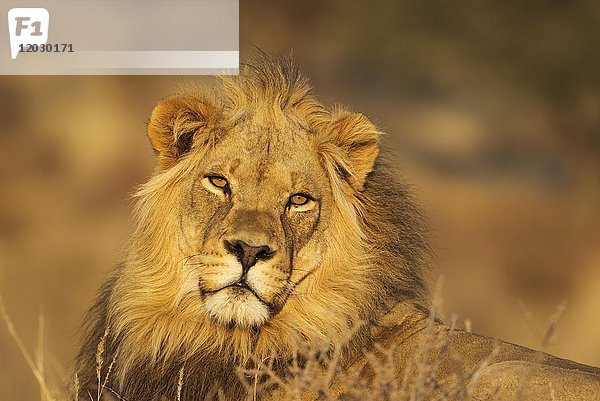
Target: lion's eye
[
  {"x": 219, "y": 182},
  {"x": 299, "y": 199}
]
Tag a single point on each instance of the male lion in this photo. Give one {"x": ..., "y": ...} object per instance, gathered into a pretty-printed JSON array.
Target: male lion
[{"x": 272, "y": 234}]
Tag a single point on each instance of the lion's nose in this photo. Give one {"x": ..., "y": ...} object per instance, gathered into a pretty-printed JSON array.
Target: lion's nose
[{"x": 248, "y": 255}]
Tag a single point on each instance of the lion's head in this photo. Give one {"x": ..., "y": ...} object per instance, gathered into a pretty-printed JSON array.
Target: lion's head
[{"x": 268, "y": 221}]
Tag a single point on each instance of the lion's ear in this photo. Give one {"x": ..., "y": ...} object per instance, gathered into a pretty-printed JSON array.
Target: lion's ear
[
  {"x": 178, "y": 123},
  {"x": 351, "y": 144}
]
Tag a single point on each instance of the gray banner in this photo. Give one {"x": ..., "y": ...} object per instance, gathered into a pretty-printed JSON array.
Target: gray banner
[{"x": 119, "y": 37}]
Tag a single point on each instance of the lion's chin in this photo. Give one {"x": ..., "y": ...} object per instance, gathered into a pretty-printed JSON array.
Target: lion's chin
[{"x": 234, "y": 306}]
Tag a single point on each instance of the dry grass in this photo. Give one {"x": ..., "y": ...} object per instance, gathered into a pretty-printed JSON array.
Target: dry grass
[
  {"x": 52, "y": 391},
  {"x": 37, "y": 366},
  {"x": 317, "y": 373}
]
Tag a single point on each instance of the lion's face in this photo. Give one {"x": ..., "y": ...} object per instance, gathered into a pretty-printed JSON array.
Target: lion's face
[
  {"x": 248, "y": 236},
  {"x": 256, "y": 204}
]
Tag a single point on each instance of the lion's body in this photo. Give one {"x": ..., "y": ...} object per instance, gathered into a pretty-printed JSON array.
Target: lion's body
[
  {"x": 268, "y": 224},
  {"x": 468, "y": 366}
]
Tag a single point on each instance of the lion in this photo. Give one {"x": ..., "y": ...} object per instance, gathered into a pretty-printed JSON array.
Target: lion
[{"x": 272, "y": 221}]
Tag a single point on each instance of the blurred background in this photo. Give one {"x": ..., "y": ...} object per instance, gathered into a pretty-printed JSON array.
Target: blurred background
[{"x": 492, "y": 113}]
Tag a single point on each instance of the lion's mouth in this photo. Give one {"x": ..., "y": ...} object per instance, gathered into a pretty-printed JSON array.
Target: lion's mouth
[
  {"x": 241, "y": 287},
  {"x": 242, "y": 284}
]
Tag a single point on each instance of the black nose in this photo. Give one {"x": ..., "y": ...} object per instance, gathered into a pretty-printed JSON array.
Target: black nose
[{"x": 248, "y": 255}]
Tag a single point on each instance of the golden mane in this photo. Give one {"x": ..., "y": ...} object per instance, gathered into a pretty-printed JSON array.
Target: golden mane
[{"x": 376, "y": 251}]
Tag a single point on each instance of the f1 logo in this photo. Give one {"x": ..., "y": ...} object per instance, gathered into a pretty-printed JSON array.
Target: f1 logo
[{"x": 27, "y": 26}]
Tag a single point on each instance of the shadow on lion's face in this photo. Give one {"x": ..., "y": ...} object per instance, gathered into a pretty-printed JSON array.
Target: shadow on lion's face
[{"x": 253, "y": 216}]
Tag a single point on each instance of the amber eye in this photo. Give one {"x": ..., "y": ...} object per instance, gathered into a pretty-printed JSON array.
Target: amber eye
[
  {"x": 299, "y": 199},
  {"x": 218, "y": 182}
]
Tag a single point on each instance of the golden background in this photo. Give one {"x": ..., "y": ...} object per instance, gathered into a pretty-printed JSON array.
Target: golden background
[{"x": 492, "y": 113}]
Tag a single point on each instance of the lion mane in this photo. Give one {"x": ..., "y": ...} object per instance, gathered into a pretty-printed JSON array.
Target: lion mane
[{"x": 375, "y": 255}]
